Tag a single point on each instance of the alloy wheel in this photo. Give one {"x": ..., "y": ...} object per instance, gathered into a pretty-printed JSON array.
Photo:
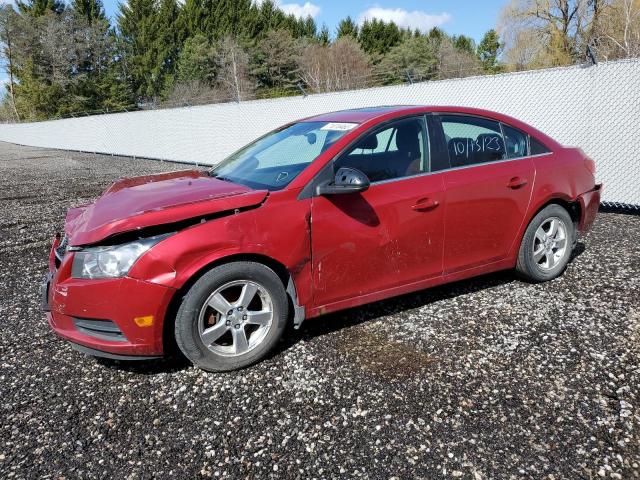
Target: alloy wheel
[
  {"x": 235, "y": 318},
  {"x": 550, "y": 243}
]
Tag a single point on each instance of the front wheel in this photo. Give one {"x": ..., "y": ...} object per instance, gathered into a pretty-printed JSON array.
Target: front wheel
[
  {"x": 232, "y": 316},
  {"x": 547, "y": 245}
]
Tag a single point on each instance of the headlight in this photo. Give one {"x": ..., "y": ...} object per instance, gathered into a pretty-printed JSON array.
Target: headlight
[{"x": 112, "y": 261}]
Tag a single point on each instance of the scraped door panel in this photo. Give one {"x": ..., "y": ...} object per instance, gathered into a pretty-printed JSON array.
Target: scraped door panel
[{"x": 389, "y": 235}]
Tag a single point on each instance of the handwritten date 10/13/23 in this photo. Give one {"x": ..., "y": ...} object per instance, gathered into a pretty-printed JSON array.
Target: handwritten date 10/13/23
[{"x": 469, "y": 146}]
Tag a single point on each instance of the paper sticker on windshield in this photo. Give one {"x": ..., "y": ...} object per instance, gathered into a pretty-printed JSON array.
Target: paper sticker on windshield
[{"x": 340, "y": 127}]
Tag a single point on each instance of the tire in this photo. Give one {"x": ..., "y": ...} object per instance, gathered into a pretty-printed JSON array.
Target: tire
[
  {"x": 544, "y": 255},
  {"x": 222, "y": 326}
]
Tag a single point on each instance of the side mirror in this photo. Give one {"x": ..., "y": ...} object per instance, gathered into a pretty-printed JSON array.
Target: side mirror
[{"x": 347, "y": 180}]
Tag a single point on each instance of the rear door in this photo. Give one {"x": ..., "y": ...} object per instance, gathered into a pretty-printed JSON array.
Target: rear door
[
  {"x": 488, "y": 189},
  {"x": 389, "y": 235}
]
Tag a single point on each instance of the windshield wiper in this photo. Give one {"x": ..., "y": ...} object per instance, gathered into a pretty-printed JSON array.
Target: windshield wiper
[{"x": 220, "y": 177}]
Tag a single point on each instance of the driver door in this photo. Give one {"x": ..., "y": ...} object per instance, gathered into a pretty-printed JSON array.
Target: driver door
[{"x": 387, "y": 236}]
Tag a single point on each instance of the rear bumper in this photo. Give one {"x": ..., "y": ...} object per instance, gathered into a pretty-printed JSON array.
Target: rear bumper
[
  {"x": 589, "y": 204},
  {"x": 97, "y": 316}
]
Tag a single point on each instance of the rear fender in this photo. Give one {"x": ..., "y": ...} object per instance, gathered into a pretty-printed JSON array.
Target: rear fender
[{"x": 589, "y": 204}]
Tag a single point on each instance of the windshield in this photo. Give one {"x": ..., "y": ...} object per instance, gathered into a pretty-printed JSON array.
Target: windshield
[{"x": 273, "y": 161}]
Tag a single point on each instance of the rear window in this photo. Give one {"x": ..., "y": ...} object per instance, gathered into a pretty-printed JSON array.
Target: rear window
[
  {"x": 515, "y": 142},
  {"x": 536, "y": 147}
]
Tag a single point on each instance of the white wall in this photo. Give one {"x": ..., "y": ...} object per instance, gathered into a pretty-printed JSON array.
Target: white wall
[{"x": 596, "y": 108}]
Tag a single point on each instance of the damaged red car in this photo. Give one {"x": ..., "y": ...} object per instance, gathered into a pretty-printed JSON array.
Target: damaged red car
[{"x": 323, "y": 214}]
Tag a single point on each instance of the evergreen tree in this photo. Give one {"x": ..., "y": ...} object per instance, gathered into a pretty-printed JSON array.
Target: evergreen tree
[
  {"x": 347, "y": 27},
  {"x": 195, "y": 18},
  {"x": 309, "y": 29},
  {"x": 227, "y": 18},
  {"x": 168, "y": 41},
  {"x": 274, "y": 63},
  {"x": 378, "y": 37},
  {"x": 436, "y": 34},
  {"x": 196, "y": 62},
  {"x": 464, "y": 43},
  {"x": 323, "y": 36},
  {"x": 150, "y": 44},
  {"x": 416, "y": 57},
  {"x": 488, "y": 51},
  {"x": 91, "y": 10},
  {"x": 36, "y": 8}
]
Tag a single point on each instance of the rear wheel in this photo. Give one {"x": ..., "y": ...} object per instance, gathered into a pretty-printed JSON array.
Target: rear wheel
[
  {"x": 232, "y": 316},
  {"x": 547, "y": 245}
]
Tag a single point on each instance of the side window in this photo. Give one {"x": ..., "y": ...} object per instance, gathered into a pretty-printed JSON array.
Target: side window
[
  {"x": 382, "y": 143},
  {"x": 536, "y": 148},
  {"x": 472, "y": 140},
  {"x": 394, "y": 151},
  {"x": 515, "y": 142}
]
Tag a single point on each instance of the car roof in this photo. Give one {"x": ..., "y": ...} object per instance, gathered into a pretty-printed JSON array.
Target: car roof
[{"x": 361, "y": 115}]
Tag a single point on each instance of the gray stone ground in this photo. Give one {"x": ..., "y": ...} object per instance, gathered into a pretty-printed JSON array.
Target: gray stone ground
[{"x": 486, "y": 378}]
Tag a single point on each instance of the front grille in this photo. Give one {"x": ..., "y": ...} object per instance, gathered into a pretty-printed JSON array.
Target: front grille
[{"x": 102, "y": 329}]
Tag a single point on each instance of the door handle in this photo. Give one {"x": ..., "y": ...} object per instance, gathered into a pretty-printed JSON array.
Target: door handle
[
  {"x": 425, "y": 204},
  {"x": 517, "y": 182}
]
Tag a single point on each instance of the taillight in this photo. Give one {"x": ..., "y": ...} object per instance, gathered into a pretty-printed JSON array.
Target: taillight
[{"x": 591, "y": 165}]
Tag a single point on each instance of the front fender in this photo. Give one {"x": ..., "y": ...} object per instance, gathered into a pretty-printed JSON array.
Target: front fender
[{"x": 175, "y": 260}]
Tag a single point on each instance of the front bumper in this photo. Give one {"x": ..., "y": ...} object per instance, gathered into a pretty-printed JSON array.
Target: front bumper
[{"x": 97, "y": 316}]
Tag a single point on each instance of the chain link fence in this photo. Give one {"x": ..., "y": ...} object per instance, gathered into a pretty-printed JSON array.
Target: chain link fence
[{"x": 595, "y": 107}]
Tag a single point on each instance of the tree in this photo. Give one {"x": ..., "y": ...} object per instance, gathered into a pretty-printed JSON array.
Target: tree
[
  {"x": 9, "y": 31},
  {"x": 150, "y": 40},
  {"x": 232, "y": 67},
  {"x": 416, "y": 57},
  {"x": 618, "y": 32},
  {"x": 228, "y": 17},
  {"x": 63, "y": 63},
  {"x": 455, "y": 63},
  {"x": 197, "y": 61},
  {"x": 342, "y": 65},
  {"x": 274, "y": 62},
  {"x": 91, "y": 10},
  {"x": 347, "y": 28},
  {"x": 168, "y": 41},
  {"x": 323, "y": 36},
  {"x": 464, "y": 43},
  {"x": 565, "y": 28},
  {"x": 488, "y": 51},
  {"x": 377, "y": 37},
  {"x": 37, "y": 8},
  {"x": 194, "y": 18}
]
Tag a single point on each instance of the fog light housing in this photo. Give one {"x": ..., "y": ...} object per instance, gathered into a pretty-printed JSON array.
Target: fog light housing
[{"x": 145, "y": 321}]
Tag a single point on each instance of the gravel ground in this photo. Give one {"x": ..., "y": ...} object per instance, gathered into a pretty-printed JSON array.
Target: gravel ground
[{"x": 487, "y": 378}]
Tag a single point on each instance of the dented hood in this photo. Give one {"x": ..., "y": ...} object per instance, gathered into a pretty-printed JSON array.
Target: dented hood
[{"x": 152, "y": 200}]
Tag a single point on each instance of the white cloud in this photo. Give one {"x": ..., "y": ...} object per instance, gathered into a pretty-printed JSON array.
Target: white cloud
[
  {"x": 300, "y": 11},
  {"x": 416, "y": 19}
]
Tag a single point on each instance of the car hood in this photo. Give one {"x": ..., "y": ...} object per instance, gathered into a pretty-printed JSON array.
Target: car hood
[{"x": 152, "y": 200}]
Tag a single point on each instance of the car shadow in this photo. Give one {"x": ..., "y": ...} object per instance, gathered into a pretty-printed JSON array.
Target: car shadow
[{"x": 344, "y": 319}]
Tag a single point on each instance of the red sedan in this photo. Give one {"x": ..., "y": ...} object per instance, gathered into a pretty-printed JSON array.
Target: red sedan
[{"x": 323, "y": 214}]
